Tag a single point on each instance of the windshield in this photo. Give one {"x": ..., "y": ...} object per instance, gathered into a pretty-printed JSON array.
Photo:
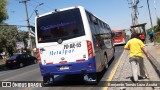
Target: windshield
[
  {"x": 60, "y": 25},
  {"x": 118, "y": 34}
]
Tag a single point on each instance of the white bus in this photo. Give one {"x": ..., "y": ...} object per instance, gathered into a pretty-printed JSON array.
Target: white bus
[{"x": 72, "y": 41}]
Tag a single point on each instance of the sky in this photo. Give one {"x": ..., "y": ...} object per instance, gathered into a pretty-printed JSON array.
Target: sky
[{"x": 116, "y": 13}]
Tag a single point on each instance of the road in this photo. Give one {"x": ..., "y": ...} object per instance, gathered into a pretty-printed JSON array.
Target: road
[{"x": 32, "y": 73}]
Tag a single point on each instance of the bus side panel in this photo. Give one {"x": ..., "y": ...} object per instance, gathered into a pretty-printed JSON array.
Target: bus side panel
[
  {"x": 87, "y": 66},
  {"x": 88, "y": 30}
]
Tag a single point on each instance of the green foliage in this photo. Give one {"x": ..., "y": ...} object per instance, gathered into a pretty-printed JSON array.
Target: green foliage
[
  {"x": 8, "y": 38},
  {"x": 9, "y": 35},
  {"x": 22, "y": 36},
  {"x": 158, "y": 22},
  {"x": 149, "y": 30},
  {"x": 157, "y": 27},
  {"x": 3, "y": 11}
]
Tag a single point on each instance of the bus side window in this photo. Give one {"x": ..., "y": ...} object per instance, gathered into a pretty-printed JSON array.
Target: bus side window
[
  {"x": 91, "y": 24},
  {"x": 94, "y": 20},
  {"x": 109, "y": 36},
  {"x": 93, "y": 31}
]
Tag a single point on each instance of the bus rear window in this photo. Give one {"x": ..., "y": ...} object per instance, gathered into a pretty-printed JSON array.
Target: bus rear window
[{"x": 60, "y": 25}]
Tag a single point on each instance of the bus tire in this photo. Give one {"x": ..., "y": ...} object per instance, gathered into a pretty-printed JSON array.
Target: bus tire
[
  {"x": 91, "y": 78},
  {"x": 48, "y": 80}
]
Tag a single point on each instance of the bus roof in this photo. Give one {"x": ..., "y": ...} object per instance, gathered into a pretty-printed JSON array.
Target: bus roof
[{"x": 57, "y": 10}]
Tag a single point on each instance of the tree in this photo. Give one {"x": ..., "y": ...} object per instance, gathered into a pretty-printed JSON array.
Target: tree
[
  {"x": 3, "y": 11},
  {"x": 22, "y": 37},
  {"x": 158, "y": 22},
  {"x": 157, "y": 27},
  {"x": 8, "y": 38}
]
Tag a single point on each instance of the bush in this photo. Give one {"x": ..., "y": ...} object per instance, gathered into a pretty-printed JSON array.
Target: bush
[{"x": 157, "y": 37}]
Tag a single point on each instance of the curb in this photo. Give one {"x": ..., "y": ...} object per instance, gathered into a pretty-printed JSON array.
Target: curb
[
  {"x": 155, "y": 64},
  {"x": 2, "y": 66}
]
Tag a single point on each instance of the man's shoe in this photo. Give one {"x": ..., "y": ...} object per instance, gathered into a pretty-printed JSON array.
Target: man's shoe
[
  {"x": 135, "y": 81},
  {"x": 145, "y": 77}
]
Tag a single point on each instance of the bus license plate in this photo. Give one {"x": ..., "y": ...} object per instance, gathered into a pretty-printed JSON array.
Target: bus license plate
[{"x": 64, "y": 67}]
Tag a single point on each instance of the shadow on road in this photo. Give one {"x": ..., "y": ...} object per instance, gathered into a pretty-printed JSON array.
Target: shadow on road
[{"x": 75, "y": 81}]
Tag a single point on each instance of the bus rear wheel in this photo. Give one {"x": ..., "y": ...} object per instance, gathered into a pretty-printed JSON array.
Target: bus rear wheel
[
  {"x": 48, "y": 80},
  {"x": 91, "y": 78}
]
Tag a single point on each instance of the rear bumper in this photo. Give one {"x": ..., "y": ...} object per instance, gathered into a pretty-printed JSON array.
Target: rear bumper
[
  {"x": 74, "y": 68},
  {"x": 118, "y": 43}
]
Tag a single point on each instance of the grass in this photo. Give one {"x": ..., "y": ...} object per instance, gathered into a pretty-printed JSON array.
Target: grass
[
  {"x": 157, "y": 37},
  {"x": 2, "y": 61}
]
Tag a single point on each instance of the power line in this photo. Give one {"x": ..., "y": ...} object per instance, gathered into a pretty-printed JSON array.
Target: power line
[
  {"x": 14, "y": 25},
  {"x": 43, "y": 5},
  {"x": 16, "y": 21},
  {"x": 35, "y": 9},
  {"x": 17, "y": 25},
  {"x": 42, "y": 9}
]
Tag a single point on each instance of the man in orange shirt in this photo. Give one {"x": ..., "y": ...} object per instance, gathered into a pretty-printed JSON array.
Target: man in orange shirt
[{"x": 136, "y": 48}]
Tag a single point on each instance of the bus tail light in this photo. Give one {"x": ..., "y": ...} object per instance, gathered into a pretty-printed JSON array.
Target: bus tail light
[
  {"x": 38, "y": 55},
  {"x": 90, "y": 49},
  {"x": 90, "y": 65},
  {"x": 49, "y": 63},
  {"x": 80, "y": 60}
]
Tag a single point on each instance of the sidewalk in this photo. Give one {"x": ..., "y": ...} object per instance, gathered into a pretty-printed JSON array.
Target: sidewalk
[
  {"x": 124, "y": 73},
  {"x": 2, "y": 65},
  {"x": 154, "y": 51}
]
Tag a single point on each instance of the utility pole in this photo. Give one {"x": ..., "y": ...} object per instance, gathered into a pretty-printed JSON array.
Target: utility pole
[
  {"x": 134, "y": 14},
  {"x": 151, "y": 20},
  {"x": 28, "y": 24},
  {"x": 149, "y": 14}
]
